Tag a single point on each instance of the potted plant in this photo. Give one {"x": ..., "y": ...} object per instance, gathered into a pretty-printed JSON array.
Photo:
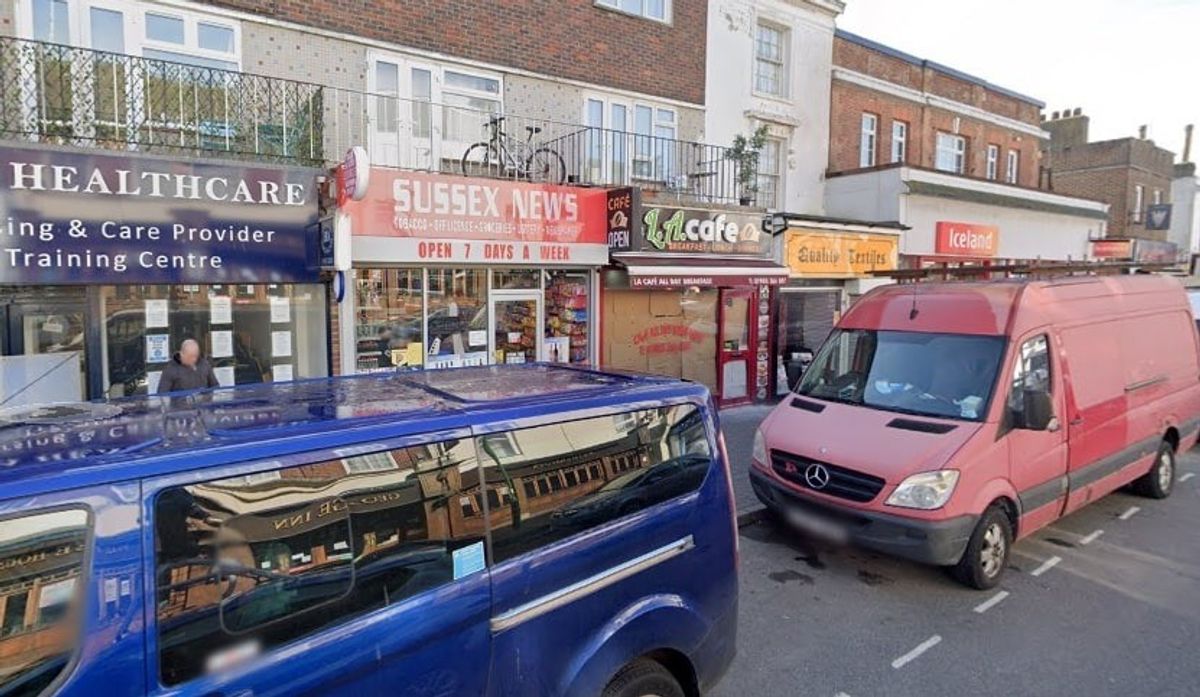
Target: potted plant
[{"x": 744, "y": 153}]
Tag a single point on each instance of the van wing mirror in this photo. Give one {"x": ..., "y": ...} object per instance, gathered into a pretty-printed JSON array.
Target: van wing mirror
[{"x": 1038, "y": 412}]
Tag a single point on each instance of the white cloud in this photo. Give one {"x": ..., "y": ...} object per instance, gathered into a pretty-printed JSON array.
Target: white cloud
[{"x": 1125, "y": 62}]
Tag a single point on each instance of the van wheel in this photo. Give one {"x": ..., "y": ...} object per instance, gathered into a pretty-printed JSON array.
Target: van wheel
[
  {"x": 1160, "y": 480},
  {"x": 983, "y": 563},
  {"x": 643, "y": 678}
]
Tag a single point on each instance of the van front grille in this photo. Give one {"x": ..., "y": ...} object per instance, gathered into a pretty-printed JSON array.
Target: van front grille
[{"x": 843, "y": 483}]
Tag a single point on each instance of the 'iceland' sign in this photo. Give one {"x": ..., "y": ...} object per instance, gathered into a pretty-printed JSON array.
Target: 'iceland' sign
[{"x": 68, "y": 217}]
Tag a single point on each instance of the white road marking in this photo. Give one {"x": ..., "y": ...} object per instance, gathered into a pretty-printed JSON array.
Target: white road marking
[
  {"x": 991, "y": 602},
  {"x": 1091, "y": 537},
  {"x": 1047, "y": 565},
  {"x": 1132, "y": 511},
  {"x": 1185, "y": 477},
  {"x": 841, "y": 694},
  {"x": 916, "y": 653}
]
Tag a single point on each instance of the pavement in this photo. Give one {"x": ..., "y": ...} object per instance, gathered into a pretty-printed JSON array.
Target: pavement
[
  {"x": 1103, "y": 602},
  {"x": 738, "y": 424}
]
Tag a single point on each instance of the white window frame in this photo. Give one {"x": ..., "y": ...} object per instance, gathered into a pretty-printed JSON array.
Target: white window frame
[
  {"x": 615, "y": 6},
  {"x": 899, "y": 141},
  {"x": 628, "y": 158},
  {"x": 368, "y": 463},
  {"x": 993, "y": 162},
  {"x": 1012, "y": 172},
  {"x": 134, "y": 14},
  {"x": 957, "y": 151},
  {"x": 1156, "y": 198},
  {"x": 1139, "y": 202},
  {"x": 780, "y": 63},
  {"x": 776, "y": 177},
  {"x": 868, "y": 139}
]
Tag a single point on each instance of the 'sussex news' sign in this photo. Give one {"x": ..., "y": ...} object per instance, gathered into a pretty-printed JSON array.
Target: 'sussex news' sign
[{"x": 69, "y": 217}]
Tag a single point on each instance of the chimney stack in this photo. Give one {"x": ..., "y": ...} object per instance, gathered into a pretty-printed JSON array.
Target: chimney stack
[
  {"x": 1187, "y": 143},
  {"x": 1142, "y": 132}
]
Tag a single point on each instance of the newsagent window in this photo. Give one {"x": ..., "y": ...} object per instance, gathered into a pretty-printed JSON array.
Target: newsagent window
[
  {"x": 259, "y": 562},
  {"x": 247, "y": 333}
]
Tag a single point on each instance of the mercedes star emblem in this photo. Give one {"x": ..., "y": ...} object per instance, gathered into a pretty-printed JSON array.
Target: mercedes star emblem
[{"x": 817, "y": 476}]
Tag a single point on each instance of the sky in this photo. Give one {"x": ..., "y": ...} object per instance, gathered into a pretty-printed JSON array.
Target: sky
[{"x": 1124, "y": 62}]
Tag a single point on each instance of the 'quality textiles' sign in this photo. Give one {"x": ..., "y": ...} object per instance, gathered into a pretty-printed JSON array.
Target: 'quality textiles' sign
[{"x": 98, "y": 218}]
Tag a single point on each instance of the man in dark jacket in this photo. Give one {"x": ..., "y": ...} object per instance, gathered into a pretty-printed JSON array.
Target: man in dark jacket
[{"x": 187, "y": 370}]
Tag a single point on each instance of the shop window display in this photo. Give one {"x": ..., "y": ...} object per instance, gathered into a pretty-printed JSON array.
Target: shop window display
[
  {"x": 249, "y": 333},
  {"x": 389, "y": 332},
  {"x": 458, "y": 318},
  {"x": 566, "y": 339}
]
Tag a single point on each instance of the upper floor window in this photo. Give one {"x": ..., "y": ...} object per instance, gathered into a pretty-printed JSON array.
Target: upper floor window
[
  {"x": 650, "y": 9},
  {"x": 1139, "y": 202},
  {"x": 868, "y": 134},
  {"x": 1157, "y": 197},
  {"x": 993, "y": 162},
  {"x": 899, "y": 141},
  {"x": 951, "y": 153},
  {"x": 770, "y": 173},
  {"x": 770, "y": 72},
  {"x": 1014, "y": 164}
]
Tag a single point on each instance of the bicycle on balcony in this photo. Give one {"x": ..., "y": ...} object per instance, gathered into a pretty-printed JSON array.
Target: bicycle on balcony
[{"x": 502, "y": 155}]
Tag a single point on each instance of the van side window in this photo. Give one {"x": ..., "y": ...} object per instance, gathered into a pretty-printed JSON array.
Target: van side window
[
  {"x": 598, "y": 469},
  {"x": 251, "y": 562},
  {"x": 42, "y": 592},
  {"x": 1031, "y": 371}
]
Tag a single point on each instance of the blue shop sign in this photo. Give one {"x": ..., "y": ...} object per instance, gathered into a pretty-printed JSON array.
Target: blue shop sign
[{"x": 71, "y": 217}]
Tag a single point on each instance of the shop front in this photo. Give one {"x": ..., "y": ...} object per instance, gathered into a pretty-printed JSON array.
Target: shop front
[
  {"x": 452, "y": 271},
  {"x": 109, "y": 262},
  {"x": 688, "y": 295},
  {"x": 830, "y": 264}
]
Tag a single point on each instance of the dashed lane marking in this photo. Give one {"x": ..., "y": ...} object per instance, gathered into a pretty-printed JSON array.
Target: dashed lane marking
[
  {"x": 1129, "y": 513},
  {"x": 1047, "y": 565},
  {"x": 991, "y": 602},
  {"x": 916, "y": 653},
  {"x": 1185, "y": 477},
  {"x": 1091, "y": 537}
]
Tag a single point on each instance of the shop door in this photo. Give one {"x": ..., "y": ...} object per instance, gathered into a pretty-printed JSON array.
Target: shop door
[
  {"x": 516, "y": 327},
  {"x": 46, "y": 339},
  {"x": 735, "y": 364}
]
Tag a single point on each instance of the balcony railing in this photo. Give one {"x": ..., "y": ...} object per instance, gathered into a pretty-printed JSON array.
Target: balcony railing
[
  {"x": 423, "y": 135},
  {"x": 53, "y": 93}
]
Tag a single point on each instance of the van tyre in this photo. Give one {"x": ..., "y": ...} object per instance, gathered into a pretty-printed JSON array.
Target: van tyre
[
  {"x": 643, "y": 678},
  {"x": 1158, "y": 482},
  {"x": 983, "y": 563}
]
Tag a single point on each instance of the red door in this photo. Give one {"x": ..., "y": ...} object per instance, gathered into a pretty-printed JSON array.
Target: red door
[{"x": 736, "y": 338}]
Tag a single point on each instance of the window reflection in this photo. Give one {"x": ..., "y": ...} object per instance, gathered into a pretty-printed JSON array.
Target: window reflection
[
  {"x": 554, "y": 481},
  {"x": 251, "y": 562},
  {"x": 41, "y": 594}
]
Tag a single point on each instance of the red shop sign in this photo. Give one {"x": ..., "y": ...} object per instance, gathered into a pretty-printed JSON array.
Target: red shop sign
[{"x": 967, "y": 239}]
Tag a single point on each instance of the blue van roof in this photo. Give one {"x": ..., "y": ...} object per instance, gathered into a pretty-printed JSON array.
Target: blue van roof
[{"x": 140, "y": 436}]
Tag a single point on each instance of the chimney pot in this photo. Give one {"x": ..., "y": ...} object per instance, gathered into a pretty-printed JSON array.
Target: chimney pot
[
  {"x": 1142, "y": 132},
  {"x": 1187, "y": 142},
  {"x": 1054, "y": 116},
  {"x": 1078, "y": 111}
]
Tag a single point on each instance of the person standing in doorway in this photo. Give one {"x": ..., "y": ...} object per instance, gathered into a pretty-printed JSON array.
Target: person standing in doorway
[{"x": 188, "y": 370}]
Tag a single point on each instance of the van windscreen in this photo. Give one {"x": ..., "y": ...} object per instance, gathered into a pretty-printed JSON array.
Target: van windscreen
[{"x": 938, "y": 375}]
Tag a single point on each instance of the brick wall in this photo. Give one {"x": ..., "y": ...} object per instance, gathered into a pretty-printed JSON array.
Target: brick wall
[
  {"x": 1110, "y": 171},
  {"x": 850, "y": 101},
  {"x": 572, "y": 39}
]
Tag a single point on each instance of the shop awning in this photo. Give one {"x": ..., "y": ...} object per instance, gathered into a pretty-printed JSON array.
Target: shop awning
[{"x": 712, "y": 272}]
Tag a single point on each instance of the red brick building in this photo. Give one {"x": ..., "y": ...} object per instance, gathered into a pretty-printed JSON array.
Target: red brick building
[
  {"x": 889, "y": 107},
  {"x": 1130, "y": 174},
  {"x": 949, "y": 156}
]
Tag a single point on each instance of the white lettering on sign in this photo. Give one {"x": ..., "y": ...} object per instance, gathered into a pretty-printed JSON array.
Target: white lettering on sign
[
  {"x": 35, "y": 176},
  {"x": 478, "y": 200},
  {"x": 969, "y": 239},
  {"x": 714, "y": 230}
]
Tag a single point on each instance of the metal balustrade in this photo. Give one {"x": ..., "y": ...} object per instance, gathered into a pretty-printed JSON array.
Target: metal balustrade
[{"x": 57, "y": 94}]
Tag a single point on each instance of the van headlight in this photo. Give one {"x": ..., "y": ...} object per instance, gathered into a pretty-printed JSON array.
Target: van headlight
[
  {"x": 926, "y": 491},
  {"x": 759, "y": 452}
]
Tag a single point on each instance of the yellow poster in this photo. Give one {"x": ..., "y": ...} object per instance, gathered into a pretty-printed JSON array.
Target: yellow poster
[{"x": 821, "y": 254}]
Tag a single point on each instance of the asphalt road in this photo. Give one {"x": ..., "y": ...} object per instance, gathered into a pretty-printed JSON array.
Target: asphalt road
[{"x": 1104, "y": 602}]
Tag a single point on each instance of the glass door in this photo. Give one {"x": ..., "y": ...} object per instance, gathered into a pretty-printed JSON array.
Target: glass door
[
  {"x": 734, "y": 352},
  {"x": 43, "y": 339},
  {"x": 516, "y": 327}
]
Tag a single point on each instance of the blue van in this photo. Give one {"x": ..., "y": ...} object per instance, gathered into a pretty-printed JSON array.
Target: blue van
[{"x": 517, "y": 530}]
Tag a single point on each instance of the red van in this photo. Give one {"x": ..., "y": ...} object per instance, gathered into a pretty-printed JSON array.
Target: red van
[{"x": 940, "y": 422}]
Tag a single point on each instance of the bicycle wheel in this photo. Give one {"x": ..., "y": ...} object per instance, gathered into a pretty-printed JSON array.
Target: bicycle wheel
[
  {"x": 546, "y": 165},
  {"x": 480, "y": 160}
]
